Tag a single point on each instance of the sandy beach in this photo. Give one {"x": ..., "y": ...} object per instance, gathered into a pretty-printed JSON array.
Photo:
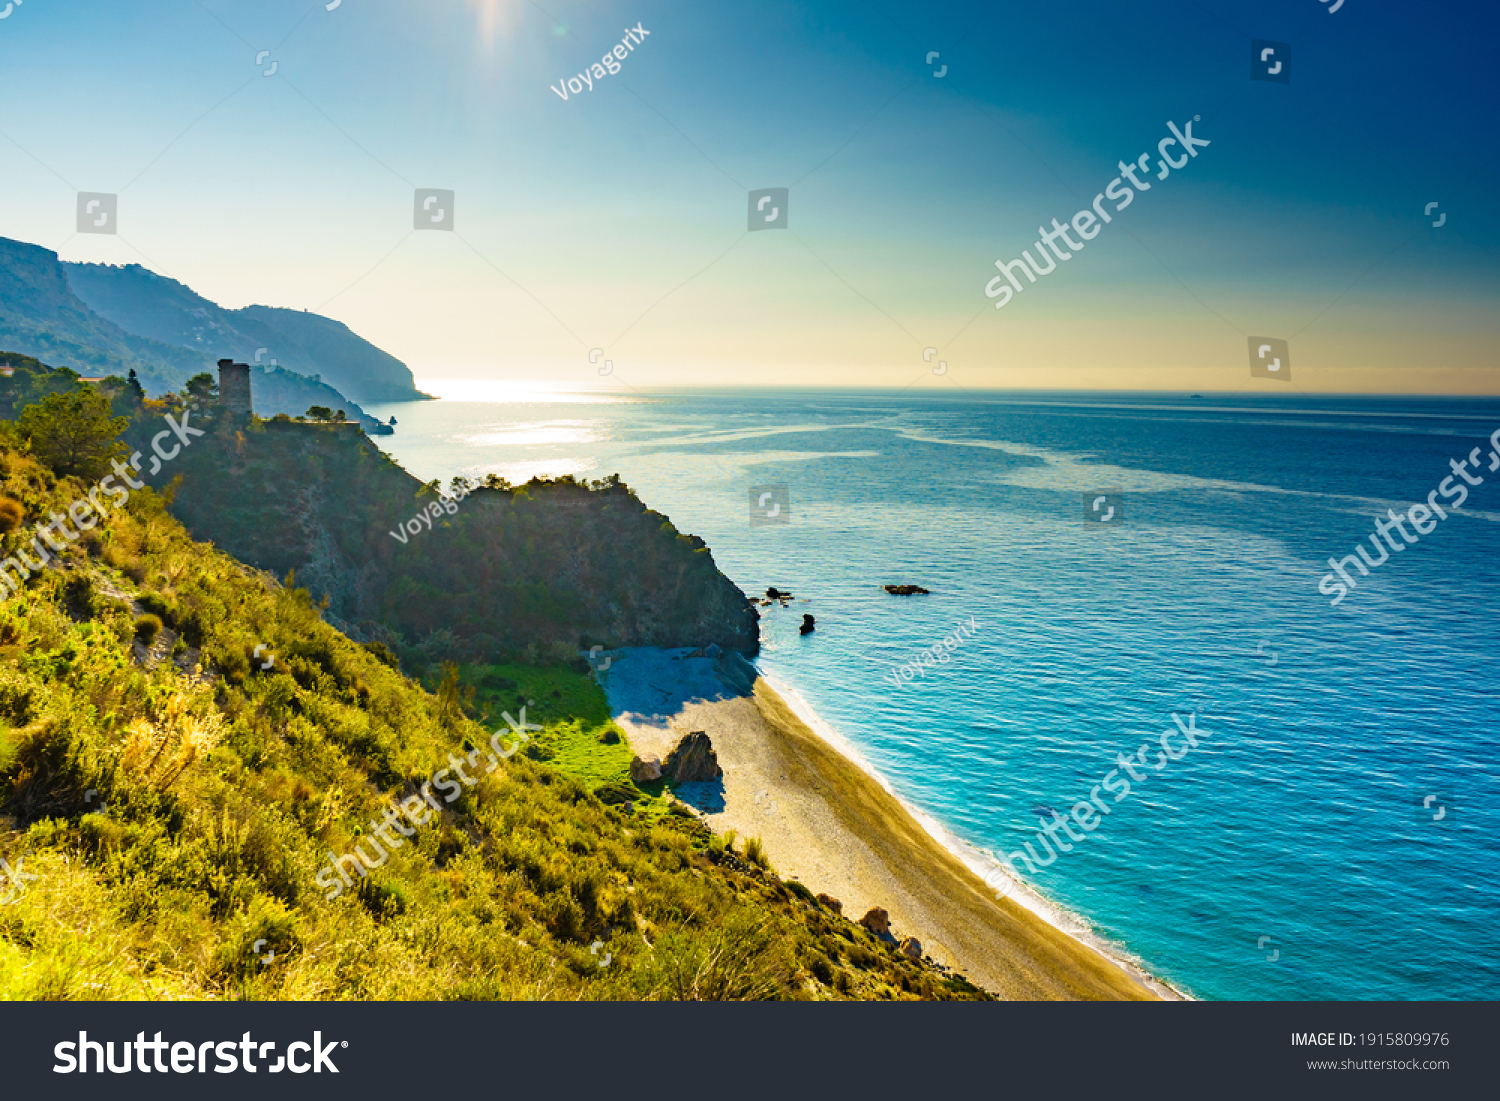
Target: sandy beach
[{"x": 828, "y": 822}]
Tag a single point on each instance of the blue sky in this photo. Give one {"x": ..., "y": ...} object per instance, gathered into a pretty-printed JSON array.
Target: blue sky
[{"x": 617, "y": 219}]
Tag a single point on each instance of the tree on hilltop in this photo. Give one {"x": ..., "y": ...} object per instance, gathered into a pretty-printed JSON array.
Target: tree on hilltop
[
  {"x": 202, "y": 389},
  {"x": 72, "y": 432}
]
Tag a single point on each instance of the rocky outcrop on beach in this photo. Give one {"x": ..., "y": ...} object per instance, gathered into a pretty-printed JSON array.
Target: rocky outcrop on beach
[
  {"x": 877, "y": 921},
  {"x": 693, "y": 761},
  {"x": 645, "y": 769},
  {"x": 911, "y": 948},
  {"x": 832, "y": 903}
]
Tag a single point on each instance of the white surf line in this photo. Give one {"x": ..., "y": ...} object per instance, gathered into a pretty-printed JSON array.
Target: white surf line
[{"x": 981, "y": 863}]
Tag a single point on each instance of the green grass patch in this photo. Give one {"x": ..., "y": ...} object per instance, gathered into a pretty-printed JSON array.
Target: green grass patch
[{"x": 574, "y": 714}]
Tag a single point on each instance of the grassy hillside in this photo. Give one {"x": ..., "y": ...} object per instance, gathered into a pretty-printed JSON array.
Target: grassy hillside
[{"x": 176, "y": 802}]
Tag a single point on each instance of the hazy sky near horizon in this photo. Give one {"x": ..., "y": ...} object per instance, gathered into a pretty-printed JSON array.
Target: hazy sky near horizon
[{"x": 616, "y": 219}]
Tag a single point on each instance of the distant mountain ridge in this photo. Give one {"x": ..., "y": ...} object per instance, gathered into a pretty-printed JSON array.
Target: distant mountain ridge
[
  {"x": 99, "y": 319},
  {"x": 40, "y": 316},
  {"x": 150, "y": 305}
]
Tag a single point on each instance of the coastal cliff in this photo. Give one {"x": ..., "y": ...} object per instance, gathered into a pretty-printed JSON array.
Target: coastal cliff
[{"x": 539, "y": 570}]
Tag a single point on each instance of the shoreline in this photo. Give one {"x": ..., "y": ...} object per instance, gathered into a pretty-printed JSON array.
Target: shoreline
[
  {"x": 980, "y": 862},
  {"x": 828, "y": 820}
]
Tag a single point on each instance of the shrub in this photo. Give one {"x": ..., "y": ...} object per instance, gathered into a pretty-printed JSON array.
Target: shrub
[
  {"x": 800, "y": 891},
  {"x": 159, "y": 606},
  {"x": 147, "y": 627},
  {"x": 614, "y": 792},
  {"x": 78, "y": 594},
  {"x": 755, "y": 853},
  {"x": 861, "y": 957},
  {"x": 382, "y": 653},
  {"x": 821, "y": 968},
  {"x": 11, "y": 515},
  {"x": 740, "y": 957}
]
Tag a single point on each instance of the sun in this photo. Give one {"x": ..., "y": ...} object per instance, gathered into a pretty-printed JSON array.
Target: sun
[{"x": 495, "y": 17}]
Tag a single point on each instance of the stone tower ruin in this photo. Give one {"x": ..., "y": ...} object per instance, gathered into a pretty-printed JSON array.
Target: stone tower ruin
[{"x": 234, "y": 387}]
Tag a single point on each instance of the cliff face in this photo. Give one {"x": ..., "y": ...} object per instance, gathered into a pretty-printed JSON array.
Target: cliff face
[
  {"x": 543, "y": 569},
  {"x": 313, "y": 344}
]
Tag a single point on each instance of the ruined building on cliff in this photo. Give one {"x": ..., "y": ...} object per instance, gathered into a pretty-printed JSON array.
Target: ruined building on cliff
[{"x": 234, "y": 387}]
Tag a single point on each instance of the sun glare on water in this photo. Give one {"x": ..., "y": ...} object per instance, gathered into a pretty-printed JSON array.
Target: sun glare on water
[{"x": 510, "y": 391}]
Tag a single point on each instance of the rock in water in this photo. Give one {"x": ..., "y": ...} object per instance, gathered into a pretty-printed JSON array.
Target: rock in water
[
  {"x": 911, "y": 948},
  {"x": 807, "y": 624},
  {"x": 907, "y": 590},
  {"x": 877, "y": 921},
  {"x": 645, "y": 769},
  {"x": 693, "y": 761}
]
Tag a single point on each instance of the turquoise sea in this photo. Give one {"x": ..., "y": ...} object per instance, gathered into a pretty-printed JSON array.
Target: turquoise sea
[{"x": 1333, "y": 835}]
